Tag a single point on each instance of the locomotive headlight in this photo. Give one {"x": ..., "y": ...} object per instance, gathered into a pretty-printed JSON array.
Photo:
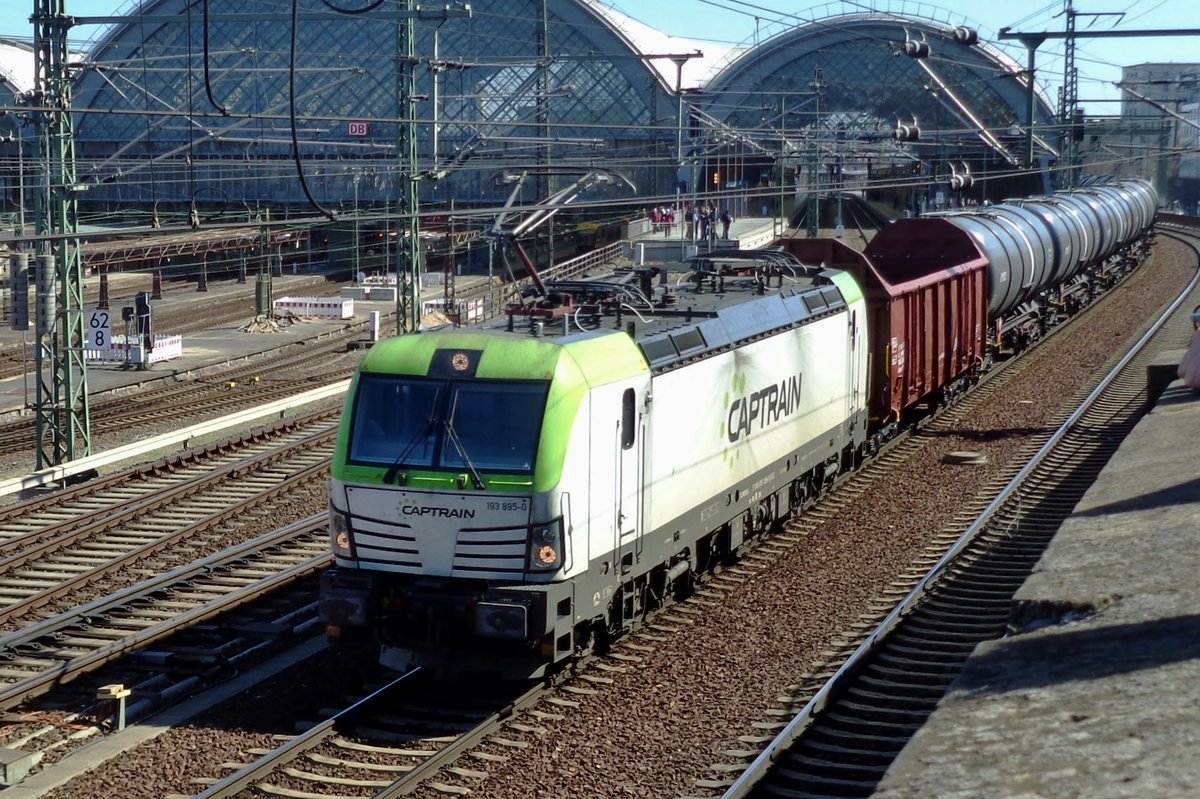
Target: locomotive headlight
[
  {"x": 545, "y": 547},
  {"x": 339, "y": 533}
]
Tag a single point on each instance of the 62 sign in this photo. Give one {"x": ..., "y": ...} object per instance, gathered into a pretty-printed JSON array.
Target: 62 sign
[{"x": 99, "y": 332}]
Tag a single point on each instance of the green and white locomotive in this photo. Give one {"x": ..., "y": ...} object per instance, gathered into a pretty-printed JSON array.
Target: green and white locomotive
[{"x": 504, "y": 501}]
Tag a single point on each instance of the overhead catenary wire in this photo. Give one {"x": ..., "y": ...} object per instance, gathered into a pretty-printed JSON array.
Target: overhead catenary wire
[
  {"x": 624, "y": 155},
  {"x": 439, "y": 213},
  {"x": 363, "y": 10},
  {"x": 292, "y": 117},
  {"x": 207, "y": 78}
]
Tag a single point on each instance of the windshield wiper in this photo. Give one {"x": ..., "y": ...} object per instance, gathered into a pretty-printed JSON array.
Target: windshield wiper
[
  {"x": 462, "y": 453},
  {"x": 452, "y": 434},
  {"x": 424, "y": 432},
  {"x": 390, "y": 474}
]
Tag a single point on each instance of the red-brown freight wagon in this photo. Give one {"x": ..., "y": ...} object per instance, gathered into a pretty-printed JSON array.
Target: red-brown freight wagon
[{"x": 927, "y": 301}]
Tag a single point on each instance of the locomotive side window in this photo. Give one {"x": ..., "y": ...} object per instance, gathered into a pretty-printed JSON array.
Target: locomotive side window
[{"x": 628, "y": 418}]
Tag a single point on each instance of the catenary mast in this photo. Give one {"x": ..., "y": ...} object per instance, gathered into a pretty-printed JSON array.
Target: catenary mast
[{"x": 63, "y": 420}]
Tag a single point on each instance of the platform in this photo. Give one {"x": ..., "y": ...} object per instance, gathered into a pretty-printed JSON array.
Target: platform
[
  {"x": 201, "y": 350},
  {"x": 1098, "y": 693},
  {"x": 747, "y": 233}
]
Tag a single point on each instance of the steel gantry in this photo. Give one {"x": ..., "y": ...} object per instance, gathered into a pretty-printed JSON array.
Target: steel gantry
[
  {"x": 408, "y": 241},
  {"x": 1034, "y": 39},
  {"x": 63, "y": 419},
  {"x": 408, "y": 257}
]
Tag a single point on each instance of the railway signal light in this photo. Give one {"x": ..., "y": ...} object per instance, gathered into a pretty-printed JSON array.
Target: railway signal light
[{"x": 145, "y": 328}]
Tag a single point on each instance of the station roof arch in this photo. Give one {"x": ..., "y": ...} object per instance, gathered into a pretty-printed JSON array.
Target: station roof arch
[
  {"x": 850, "y": 71},
  {"x": 347, "y": 66},
  {"x": 16, "y": 66},
  {"x": 609, "y": 92}
]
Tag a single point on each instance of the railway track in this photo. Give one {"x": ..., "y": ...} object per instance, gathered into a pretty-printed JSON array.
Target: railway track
[
  {"x": 261, "y": 381},
  {"x": 192, "y": 318},
  {"x": 92, "y": 576},
  {"x": 67, "y": 644},
  {"x": 104, "y": 535},
  {"x": 198, "y": 313},
  {"x": 850, "y": 720},
  {"x": 637, "y": 647},
  {"x": 120, "y": 627},
  {"x": 386, "y": 743},
  {"x": 75, "y": 562},
  {"x": 638, "y": 650},
  {"x": 322, "y": 759}
]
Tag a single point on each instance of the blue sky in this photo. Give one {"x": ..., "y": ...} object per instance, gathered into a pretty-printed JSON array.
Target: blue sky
[{"x": 735, "y": 21}]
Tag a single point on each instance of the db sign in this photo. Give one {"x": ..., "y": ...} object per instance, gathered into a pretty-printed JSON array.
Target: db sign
[{"x": 358, "y": 129}]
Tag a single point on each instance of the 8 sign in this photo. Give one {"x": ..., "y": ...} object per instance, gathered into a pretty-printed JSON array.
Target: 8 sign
[{"x": 99, "y": 333}]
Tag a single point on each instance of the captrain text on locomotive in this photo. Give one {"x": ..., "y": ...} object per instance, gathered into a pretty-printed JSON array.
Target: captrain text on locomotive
[{"x": 505, "y": 500}]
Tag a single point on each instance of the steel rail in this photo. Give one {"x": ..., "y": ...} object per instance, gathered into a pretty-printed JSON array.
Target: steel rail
[
  {"x": 213, "y": 451},
  {"x": 219, "y": 312},
  {"x": 56, "y": 474},
  {"x": 222, "y": 401},
  {"x": 39, "y": 683},
  {"x": 15, "y": 609},
  {"x": 18, "y": 550},
  {"x": 255, "y": 772},
  {"x": 411, "y": 780},
  {"x": 757, "y": 769}
]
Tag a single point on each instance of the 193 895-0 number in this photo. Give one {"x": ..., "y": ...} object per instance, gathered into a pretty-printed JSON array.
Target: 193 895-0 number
[{"x": 517, "y": 504}]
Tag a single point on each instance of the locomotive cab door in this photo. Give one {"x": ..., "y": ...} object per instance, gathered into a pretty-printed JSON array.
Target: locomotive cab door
[
  {"x": 628, "y": 494},
  {"x": 854, "y": 357}
]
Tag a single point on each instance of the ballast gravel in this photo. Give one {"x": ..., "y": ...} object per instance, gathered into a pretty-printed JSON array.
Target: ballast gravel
[{"x": 664, "y": 721}]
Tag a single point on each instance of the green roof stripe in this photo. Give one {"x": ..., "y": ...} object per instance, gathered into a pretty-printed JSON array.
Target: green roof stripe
[{"x": 846, "y": 284}]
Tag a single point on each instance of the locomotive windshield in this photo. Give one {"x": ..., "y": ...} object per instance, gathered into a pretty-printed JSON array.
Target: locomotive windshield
[{"x": 485, "y": 425}]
